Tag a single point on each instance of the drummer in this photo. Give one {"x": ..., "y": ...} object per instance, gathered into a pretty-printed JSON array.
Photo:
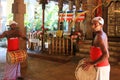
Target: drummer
[
  {"x": 99, "y": 53},
  {"x": 12, "y": 71}
]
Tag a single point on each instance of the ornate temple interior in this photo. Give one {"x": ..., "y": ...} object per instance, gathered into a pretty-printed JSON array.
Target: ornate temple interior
[{"x": 49, "y": 24}]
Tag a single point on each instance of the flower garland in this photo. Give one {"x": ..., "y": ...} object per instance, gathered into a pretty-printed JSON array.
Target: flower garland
[{"x": 77, "y": 37}]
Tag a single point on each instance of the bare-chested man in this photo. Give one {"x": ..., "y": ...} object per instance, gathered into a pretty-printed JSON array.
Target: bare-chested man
[
  {"x": 12, "y": 71},
  {"x": 99, "y": 53}
]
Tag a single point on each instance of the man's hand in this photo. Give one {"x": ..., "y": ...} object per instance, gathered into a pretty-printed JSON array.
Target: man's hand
[{"x": 86, "y": 66}]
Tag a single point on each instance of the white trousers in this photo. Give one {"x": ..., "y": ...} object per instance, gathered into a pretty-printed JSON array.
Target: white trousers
[{"x": 103, "y": 73}]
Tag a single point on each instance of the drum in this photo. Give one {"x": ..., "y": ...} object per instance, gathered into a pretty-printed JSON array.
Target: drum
[
  {"x": 81, "y": 74},
  {"x": 16, "y": 56}
]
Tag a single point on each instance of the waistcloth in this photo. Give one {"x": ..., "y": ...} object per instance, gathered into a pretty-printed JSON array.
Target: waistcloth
[{"x": 96, "y": 53}]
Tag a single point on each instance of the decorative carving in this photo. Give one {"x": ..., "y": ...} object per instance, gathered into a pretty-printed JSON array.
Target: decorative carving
[{"x": 114, "y": 19}]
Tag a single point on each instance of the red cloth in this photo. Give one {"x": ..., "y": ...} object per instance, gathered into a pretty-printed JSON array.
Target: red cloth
[
  {"x": 69, "y": 16},
  {"x": 13, "y": 44},
  {"x": 80, "y": 18},
  {"x": 96, "y": 53}
]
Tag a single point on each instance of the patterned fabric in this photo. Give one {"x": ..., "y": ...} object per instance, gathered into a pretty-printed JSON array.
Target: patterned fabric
[
  {"x": 16, "y": 56},
  {"x": 81, "y": 16},
  {"x": 61, "y": 16},
  {"x": 69, "y": 17}
]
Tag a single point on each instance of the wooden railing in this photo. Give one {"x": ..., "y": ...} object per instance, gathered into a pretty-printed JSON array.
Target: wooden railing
[
  {"x": 56, "y": 46},
  {"x": 34, "y": 41},
  {"x": 60, "y": 46}
]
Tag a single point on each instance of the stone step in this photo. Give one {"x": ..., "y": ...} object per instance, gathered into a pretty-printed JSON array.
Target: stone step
[
  {"x": 114, "y": 48},
  {"x": 115, "y": 54},
  {"x": 82, "y": 55},
  {"x": 85, "y": 46},
  {"x": 84, "y": 50},
  {"x": 113, "y": 59},
  {"x": 116, "y": 44}
]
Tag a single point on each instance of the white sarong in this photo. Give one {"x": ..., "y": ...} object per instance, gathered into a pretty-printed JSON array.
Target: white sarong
[
  {"x": 103, "y": 73},
  {"x": 12, "y": 71}
]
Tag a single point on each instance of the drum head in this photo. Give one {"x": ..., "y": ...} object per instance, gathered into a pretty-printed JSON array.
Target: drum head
[{"x": 80, "y": 74}]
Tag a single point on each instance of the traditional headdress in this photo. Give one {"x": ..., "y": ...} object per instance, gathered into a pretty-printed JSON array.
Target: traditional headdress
[
  {"x": 99, "y": 19},
  {"x": 12, "y": 22}
]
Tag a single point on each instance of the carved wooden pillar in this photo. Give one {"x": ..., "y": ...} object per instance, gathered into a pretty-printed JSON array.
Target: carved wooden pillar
[
  {"x": 90, "y": 7},
  {"x": 83, "y": 26},
  {"x": 18, "y": 10},
  {"x": 70, "y": 8},
  {"x": 60, "y": 5},
  {"x": 77, "y": 4}
]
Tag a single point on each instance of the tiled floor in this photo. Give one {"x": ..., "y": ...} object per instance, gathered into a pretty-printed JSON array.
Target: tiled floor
[{"x": 41, "y": 69}]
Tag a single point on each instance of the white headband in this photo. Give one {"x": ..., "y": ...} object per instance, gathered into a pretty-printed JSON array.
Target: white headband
[
  {"x": 99, "y": 19},
  {"x": 12, "y": 22}
]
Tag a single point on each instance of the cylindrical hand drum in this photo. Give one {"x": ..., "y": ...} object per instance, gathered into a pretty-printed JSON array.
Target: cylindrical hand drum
[
  {"x": 81, "y": 74},
  {"x": 16, "y": 56}
]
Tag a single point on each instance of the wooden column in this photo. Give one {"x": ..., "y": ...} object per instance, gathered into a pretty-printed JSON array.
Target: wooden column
[
  {"x": 83, "y": 23},
  {"x": 18, "y": 10},
  {"x": 60, "y": 5},
  {"x": 90, "y": 7},
  {"x": 70, "y": 8},
  {"x": 77, "y": 4}
]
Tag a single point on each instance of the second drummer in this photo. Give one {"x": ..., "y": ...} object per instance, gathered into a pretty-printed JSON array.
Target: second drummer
[{"x": 99, "y": 53}]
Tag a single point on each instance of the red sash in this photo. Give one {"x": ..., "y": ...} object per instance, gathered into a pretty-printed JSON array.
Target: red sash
[
  {"x": 13, "y": 44},
  {"x": 95, "y": 53}
]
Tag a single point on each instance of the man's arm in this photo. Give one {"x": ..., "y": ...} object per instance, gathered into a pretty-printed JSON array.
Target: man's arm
[
  {"x": 105, "y": 55},
  {"x": 3, "y": 35}
]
